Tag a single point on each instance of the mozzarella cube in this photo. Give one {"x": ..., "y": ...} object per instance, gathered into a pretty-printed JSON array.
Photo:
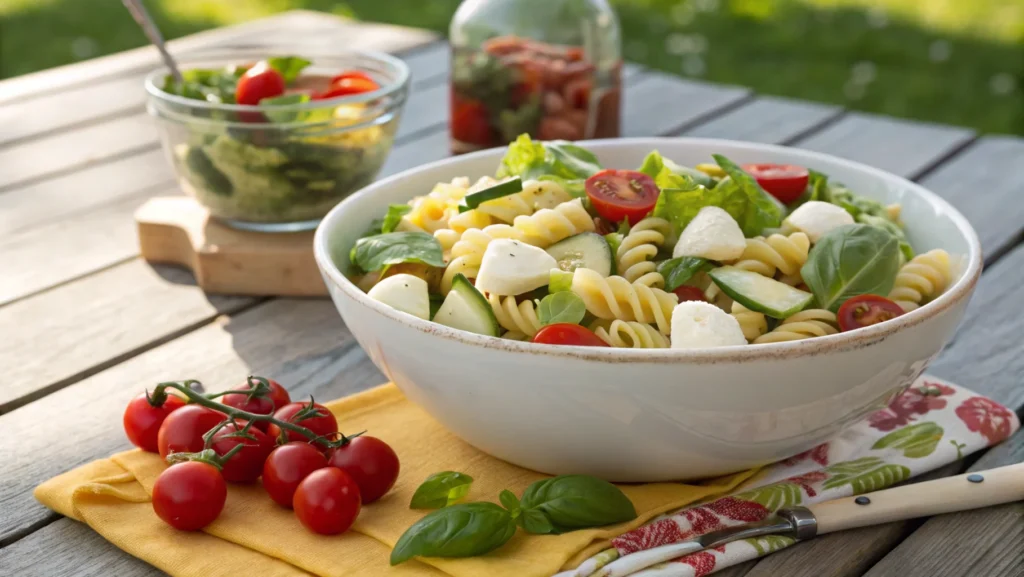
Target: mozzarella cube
[
  {"x": 510, "y": 267},
  {"x": 713, "y": 234},
  {"x": 699, "y": 325},
  {"x": 403, "y": 292},
  {"x": 815, "y": 218}
]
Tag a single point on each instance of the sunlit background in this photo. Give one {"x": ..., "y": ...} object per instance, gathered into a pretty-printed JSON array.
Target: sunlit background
[{"x": 950, "y": 61}]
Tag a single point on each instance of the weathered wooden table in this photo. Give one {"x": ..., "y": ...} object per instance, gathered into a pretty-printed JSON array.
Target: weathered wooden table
[{"x": 86, "y": 324}]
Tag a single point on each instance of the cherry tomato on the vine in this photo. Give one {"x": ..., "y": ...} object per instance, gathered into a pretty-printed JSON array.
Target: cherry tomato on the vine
[
  {"x": 469, "y": 123},
  {"x": 189, "y": 496},
  {"x": 286, "y": 467},
  {"x": 568, "y": 334},
  {"x": 275, "y": 399},
  {"x": 142, "y": 420},
  {"x": 259, "y": 82},
  {"x": 246, "y": 465},
  {"x": 785, "y": 182},
  {"x": 323, "y": 425},
  {"x": 689, "y": 293},
  {"x": 622, "y": 194},
  {"x": 864, "y": 310},
  {"x": 183, "y": 430},
  {"x": 327, "y": 501},
  {"x": 371, "y": 463}
]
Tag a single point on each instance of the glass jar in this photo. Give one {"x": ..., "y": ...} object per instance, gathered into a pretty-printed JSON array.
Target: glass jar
[{"x": 549, "y": 68}]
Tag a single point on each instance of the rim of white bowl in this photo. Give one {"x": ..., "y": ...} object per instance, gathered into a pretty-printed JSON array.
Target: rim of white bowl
[{"x": 807, "y": 347}]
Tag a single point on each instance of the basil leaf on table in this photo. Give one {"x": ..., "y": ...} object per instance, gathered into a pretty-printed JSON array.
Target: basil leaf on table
[
  {"x": 441, "y": 490},
  {"x": 758, "y": 210},
  {"x": 679, "y": 270},
  {"x": 570, "y": 502},
  {"x": 373, "y": 253},
  {"x": 288, "y": 66},
  {"x": 394, "y": 216},
  {"x": 463, "y": 530},
  {"x": 561, "y": 307},
  {"x": 851, "y": 260},
  {"x": 511, "y": 502}
]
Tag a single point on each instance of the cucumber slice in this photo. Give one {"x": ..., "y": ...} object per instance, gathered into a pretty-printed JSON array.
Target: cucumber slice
[
  {"x": 760, "y": 293},
  {"x": 585, "y": 250},
  {"x": 506, "y": 188},
  {"x": 466, "y": 309},
  {"x": 560, "y": 281}
]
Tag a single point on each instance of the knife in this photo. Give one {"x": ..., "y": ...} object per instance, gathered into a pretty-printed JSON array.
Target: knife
[{"x": 947, "y": 495}]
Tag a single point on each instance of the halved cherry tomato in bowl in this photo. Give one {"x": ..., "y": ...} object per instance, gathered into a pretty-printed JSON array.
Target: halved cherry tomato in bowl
[
  {"x": 259, "y": 82},
  {"x": 866, "y": 310},
  {"x": 352, "y": 74},
  {"x": 348, "y": 87},
  {"x": 785, "y": 182},
  {"x": 689, "y": 293},
  {"x": 568, "y": 334},
  {"x": 619, "y": 195}
]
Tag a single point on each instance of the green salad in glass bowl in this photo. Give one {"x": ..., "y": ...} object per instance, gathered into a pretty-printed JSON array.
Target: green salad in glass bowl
[{"x": 272, "y": 143}]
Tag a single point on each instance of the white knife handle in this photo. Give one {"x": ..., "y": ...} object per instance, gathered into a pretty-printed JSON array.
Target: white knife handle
[{"x": 959, "y": 493}]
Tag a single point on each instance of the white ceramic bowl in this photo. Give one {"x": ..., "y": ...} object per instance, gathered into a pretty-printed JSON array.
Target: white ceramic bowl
[{"x": 651, "y": 415}]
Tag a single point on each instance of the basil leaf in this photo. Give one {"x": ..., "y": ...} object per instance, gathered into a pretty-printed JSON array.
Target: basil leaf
[
  {"x": 376, "y": 252},
  {"x": 759, "y": 210},
  {"x": 511, "y": 502},
  {"x": 817, "y": 183},
  {"x": 678, "y": 271},
  {"x": 464, "y": 530},
  {"x": 288, "y": 66},
  {"x": 575, "y": 502},
  {"x": 561, "y": 307},
  {"x": 394, "y": 216},
  {"x": 896, "y": 230},
  {"x": 851, "y": 260},
  {"x": 441, "y": 490},
  {"x": 536, "y": 522}
]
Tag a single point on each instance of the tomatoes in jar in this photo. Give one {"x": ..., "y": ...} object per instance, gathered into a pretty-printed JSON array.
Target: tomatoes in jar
[{"x": 469, "y": 122}]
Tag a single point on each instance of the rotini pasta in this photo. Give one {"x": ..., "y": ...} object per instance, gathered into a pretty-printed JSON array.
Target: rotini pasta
[
  {"x": 629, "y": 335},
  {"x": 777, "y": 252},
  {"x": 921, "y": 279},
  {"x": 432, "y": 211},
  {"x": 512, "y": 316},
  {"x": 634, "y": 259},
  {"x": 752, "y": 323},
  {"x": 615, "y": 298},
  {"x": 802, "y": 325},
  {"x": 550, "y": 225}
]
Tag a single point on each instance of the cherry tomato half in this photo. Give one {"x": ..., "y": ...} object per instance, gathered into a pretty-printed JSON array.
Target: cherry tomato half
[
  {"x": 352, "y": 74},
  {"x": 275, "y": 399},
  {"x": 189, "y": 496},
  {"x": 286, "y": 467},
  {"x": 568, "y": 334},
  {"x": 246, "y": 465},
  {"x": 865, "y": 310},
  {"x": 327, "y": 501},
  {"x": 348, "y": 86},
  {"x": 142, "y": 420},
  {"x": 324, "y": 424},
  {"x": 371, "y": 463},
  {"x": 259, "y": 82},
  {"x": 183, "y": 430},
  {"x": 689, "y": 293},
  {"x": 785, "y": 182},
  {"x": 469, "y": 123},
  {"x": 622, "y": 194}
]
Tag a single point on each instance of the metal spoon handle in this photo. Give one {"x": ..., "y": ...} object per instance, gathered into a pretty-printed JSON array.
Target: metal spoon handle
[{"x": 145, "y": 21}]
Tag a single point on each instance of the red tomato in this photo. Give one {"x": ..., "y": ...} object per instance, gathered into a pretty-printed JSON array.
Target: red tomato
[
  {"x": 327, "y": 501},
  {"x": 783, "y": 181},
  {"x": 189, "y": 496},
  {"x": 183, "y": 430},
  {"x": 142, "y": 420},
  {"x": 259, "y": 82},
  {"x": 352, "y": 74},
  {"x": 469, "y": 123},
  {"x": 371, "y": 463},
  {"x": 568, "y": 334},
  {"x": 348, "y": 86},
  {"x": 622, "y": 194},
  {"x": 277, "y": 398},
  {"x": 689, "y": 293},
  {"x": 323, "y": 425},
  {"x": 866, "y": 310},
  {"x": 286, "y": 467},
  {"x": 246, "y": 465}
]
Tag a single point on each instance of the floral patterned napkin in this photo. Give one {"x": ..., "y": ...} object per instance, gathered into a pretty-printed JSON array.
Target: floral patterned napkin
[{"x": 932, "y": 424}]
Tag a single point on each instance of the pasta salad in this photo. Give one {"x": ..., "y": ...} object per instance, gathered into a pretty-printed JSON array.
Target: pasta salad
[{"x": 556, "y": 249}]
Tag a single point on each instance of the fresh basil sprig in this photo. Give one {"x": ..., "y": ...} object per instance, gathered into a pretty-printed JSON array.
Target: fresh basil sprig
[
  {"x": 561, "y": 307},
  {"x": 441, "y": 490},
  {"x": 679, "y": 270},
  {"x": 569, "y": 502},
  {"x": 373, "y": 253},
  {"x": 851, "y": 260},
  {"x": 464, "y": 530}
]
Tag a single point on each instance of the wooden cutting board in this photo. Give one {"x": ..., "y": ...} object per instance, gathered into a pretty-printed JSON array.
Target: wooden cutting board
[{"x": 224, "y": 260}]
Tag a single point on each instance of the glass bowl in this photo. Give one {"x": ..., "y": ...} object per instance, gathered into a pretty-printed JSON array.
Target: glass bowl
[{"x": 280, "y": 168}]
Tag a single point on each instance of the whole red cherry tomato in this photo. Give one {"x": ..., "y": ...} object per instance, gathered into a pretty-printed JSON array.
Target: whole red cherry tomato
[
  {"x": 275, "y": 399},
  {"x": 865, "y": 310},
  {"x": 323, "y": 425},
  {"x": 469, "y": 122},
  {"x": 183, "y": 430},
  {"x": 246, "y": 465},
  {"x": 622, "y": 194},
  {"x": 142, "y": 420},
  {"x": 189, "y": 496},
  {"x": 689, "y": 293},
  {"x": 327, "y": 501},
  {"x": 783, "y": 181},
  {"x": 259, "y": 82},
  {"x": 568, "y": 334},
  {"x": 286, "y": 467},
  {"x": 371, "y": 463}
]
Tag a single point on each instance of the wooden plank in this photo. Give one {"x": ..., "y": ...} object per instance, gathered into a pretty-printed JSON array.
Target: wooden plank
[
  {"x": 92, "y": 554},
  {"x": 903, "y": 147},
  {"x": 59, "y": 339},
  {"x": 768, "y": 119},
  {"x": 657, "y": 103}
]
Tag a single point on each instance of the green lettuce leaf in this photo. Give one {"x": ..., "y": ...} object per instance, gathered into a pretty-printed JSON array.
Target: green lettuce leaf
[
  {"x": 288, "y": 66},
  {"x": 558, "y": 161},
  {"x": 752, "y": 207}
]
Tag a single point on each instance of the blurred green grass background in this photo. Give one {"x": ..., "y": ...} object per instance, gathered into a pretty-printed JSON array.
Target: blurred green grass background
[{"x": 950, "y": 61}]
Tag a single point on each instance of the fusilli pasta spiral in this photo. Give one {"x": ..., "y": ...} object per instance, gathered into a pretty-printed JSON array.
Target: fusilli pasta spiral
[
  {"x": 921, "y": 279},
  {"x": 550, "y": 225},
  {"x": 615, "y": 298},
  {"x": 467, "y": 254},
  {"x": 521, "y": 317},
  {"x": 752, "y": 323},
  {"x": 777, "y": 252},
  {"x": 634, "y": 259},
  {"x": 629, "y": 335},
  {"x": 802, "y": 325},
  {"x": 432, "y": 211}
]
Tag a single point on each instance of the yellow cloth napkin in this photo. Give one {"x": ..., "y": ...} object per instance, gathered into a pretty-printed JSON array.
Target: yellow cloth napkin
[{"x": 113, "y": 497}]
